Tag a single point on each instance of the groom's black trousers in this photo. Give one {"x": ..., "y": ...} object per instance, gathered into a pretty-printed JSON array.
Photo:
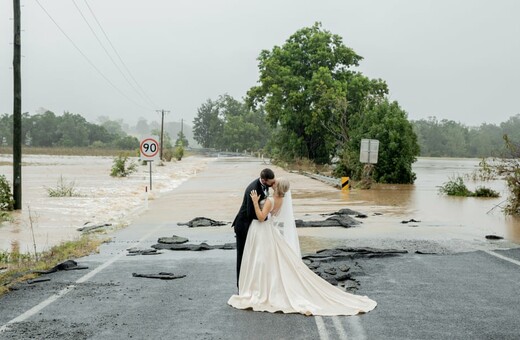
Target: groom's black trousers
[{"x": 241, "y": 242}]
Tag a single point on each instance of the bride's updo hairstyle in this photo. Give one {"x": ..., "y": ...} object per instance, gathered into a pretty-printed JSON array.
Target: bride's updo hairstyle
[{"x": 282, "y": 186}]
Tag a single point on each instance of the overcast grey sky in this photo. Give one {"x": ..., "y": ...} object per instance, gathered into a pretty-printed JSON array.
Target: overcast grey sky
[{"x": 453, "y": 59}]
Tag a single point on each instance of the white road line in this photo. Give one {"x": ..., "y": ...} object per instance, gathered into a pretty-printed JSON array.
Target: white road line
[
  {"x": 322, "y": 331},
  {"x": 357, "y": 330},
  {"x": 502, "y": 257},
  {"x": 342, "y": 335},
  {"x": 64, "y": 291}
]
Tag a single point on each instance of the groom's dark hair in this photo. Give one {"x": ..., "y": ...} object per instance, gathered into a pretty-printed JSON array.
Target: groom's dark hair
[{"x": 267, "y": 174}]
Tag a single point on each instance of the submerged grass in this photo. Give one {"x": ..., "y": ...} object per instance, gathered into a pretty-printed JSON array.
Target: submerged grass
[
  {"x": 17, "y": 267},
  {"x": 79, "y": 151}
]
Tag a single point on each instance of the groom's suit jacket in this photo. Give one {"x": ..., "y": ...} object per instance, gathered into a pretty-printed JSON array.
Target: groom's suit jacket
[{"x": 246, "y": 213}]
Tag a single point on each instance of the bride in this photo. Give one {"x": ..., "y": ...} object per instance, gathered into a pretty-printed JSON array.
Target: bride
[{"x": 273, "y": 276}]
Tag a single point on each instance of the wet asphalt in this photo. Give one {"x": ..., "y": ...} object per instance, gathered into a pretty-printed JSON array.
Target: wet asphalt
[{"x": 470, "y": 295}]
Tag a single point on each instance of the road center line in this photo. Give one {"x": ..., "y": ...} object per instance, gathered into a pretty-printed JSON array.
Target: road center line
[
  {"x": 342, "y": 335},
  {"x": 24, "y": 316},
  {"x": 322, "y": 331},
  {"x": 502, "y": 257}
]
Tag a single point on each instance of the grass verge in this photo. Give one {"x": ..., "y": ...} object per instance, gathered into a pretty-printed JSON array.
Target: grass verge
[
  {"x": 19, "y": 267},
  {"x": 61, "y": 151}
]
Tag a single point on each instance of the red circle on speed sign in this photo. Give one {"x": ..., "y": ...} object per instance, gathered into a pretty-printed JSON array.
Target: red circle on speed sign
[{"x": 149, "y": 147}]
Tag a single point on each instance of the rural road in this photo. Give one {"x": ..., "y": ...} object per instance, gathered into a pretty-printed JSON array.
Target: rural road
[{"x": 466, "y": 295}]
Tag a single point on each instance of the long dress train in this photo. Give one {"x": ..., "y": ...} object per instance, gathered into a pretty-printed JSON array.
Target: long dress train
[{"x": 273, "y": 278}]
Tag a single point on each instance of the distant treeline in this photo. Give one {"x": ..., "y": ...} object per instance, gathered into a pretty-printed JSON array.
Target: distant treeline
[
  {"x": 69, "y": 130},
  {"x": 436, "y": 138},
  {"x": 447, "y": 138}
]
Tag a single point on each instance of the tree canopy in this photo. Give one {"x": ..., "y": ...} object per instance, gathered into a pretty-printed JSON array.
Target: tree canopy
[
  {"x": 229, "y": 124},
  {"x": 68, "y": 130},
  {"x": 320, "y": 107},
  {"x": 447, "y": 138},
  {"x": 300, "y": 84}
]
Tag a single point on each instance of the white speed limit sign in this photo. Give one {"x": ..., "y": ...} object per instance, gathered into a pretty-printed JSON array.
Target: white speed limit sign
[{"x": 149, "y": 149}]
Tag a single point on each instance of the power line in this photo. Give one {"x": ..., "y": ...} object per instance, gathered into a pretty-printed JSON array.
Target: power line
[
  {"x": 86, "y": 58},
  {"x": 119, "y": 56},
  {"x": 108, "y": 54}
]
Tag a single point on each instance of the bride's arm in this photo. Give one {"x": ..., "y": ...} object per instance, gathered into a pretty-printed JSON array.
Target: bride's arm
[{"x": 261, "y": 214}]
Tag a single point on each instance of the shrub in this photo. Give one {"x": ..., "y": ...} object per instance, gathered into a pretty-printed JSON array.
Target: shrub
[
  {"x": 178, "y": 152},
  {"x": 6, "y": 197},
  {"x": 98, "y": 145},
  {"x": 167, "y": 155},
  {"x": 5, "y": 216},
  {"x": 122, "y": 166},
  {"x": 486, "y": 171},
  {"x": 509, "y": 167},
  {"x": 63, "y": 189},
  {"x": 455, "y": 187},
  {"x": 486, "y": 192}
]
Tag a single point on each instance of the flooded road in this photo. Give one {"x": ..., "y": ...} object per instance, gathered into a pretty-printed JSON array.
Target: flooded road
[
  {"x": 451, "y": 222},
  {"x": 442, "y": 218}
]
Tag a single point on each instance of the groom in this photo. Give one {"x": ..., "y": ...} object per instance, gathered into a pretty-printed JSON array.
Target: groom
[{"x": 246, "y": 213}]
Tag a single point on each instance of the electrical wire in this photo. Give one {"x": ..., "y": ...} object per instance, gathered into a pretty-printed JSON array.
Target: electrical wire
[
  {"x": 106, "y": 51},
  {"x": 87, "y": 59},
  {"x": 118, "y": 55}
]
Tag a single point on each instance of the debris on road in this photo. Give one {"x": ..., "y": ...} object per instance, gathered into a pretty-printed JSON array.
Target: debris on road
[
  {"x": 203, "y": 222},
  {"x": 338, "y": 266},
  {"x": 38, "y": 280},
  {"x": 161, "y": 275},
  {"x": 65, "y": 265},
  {"x": 173, "y": 240},
  {"x": 494, "y": 237},
  {"x": 136, "y": 251},
  {"x": 194, "y": 247},
  {"x": 87, "y": 227}
]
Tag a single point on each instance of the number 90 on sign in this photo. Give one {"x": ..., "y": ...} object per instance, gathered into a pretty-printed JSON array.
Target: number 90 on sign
[{"x": 149, "y": 149}]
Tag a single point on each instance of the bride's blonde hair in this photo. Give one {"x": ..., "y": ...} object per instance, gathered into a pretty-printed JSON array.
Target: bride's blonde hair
[{"x": 282, "y": 186}]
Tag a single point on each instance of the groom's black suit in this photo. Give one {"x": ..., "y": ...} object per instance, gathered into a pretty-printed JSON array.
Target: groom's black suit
[{"x": 246, "y": 215}]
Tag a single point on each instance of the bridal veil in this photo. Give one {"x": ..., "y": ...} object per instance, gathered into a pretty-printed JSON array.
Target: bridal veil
[{"x": 284, "y": 221}]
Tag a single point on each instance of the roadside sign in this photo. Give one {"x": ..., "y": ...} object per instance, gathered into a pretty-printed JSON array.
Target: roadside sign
[
  {"x": 369, "y": 151},
  {"x": 149, "y": 149},
  {"x": 345, "y": 183}
]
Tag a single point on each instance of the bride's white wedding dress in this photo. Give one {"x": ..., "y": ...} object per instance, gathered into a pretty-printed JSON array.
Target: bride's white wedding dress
[{"x": 273, "y": 278}]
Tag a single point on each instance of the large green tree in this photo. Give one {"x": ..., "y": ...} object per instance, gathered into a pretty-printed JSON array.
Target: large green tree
[
  {"x": 73, "y": 129},
  {"x": 309, "y": 89},
  {"x": 244, "y": 129},
  {"x": 208, "y": 124},
  {"x": 43, "y": 128},
  {"x": 229, "y": 124}
]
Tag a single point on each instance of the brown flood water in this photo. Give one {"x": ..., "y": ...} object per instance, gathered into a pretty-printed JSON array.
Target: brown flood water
[
  {"x": 445, "y": 219},
  {"x": 456, "y": 224}
]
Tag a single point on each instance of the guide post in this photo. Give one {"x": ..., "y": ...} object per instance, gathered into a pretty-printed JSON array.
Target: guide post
[{"x": 149, "y": 149}]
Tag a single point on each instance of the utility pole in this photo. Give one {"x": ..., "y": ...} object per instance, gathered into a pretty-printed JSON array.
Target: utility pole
[
  {"x": 162, "y": 132},
  {"x": 17, "y": 110}
]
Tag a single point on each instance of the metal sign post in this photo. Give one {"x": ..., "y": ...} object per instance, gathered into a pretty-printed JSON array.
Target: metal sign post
[
  {"x": 149, "y": 149},
  {"x": 368, "y": 156}
]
